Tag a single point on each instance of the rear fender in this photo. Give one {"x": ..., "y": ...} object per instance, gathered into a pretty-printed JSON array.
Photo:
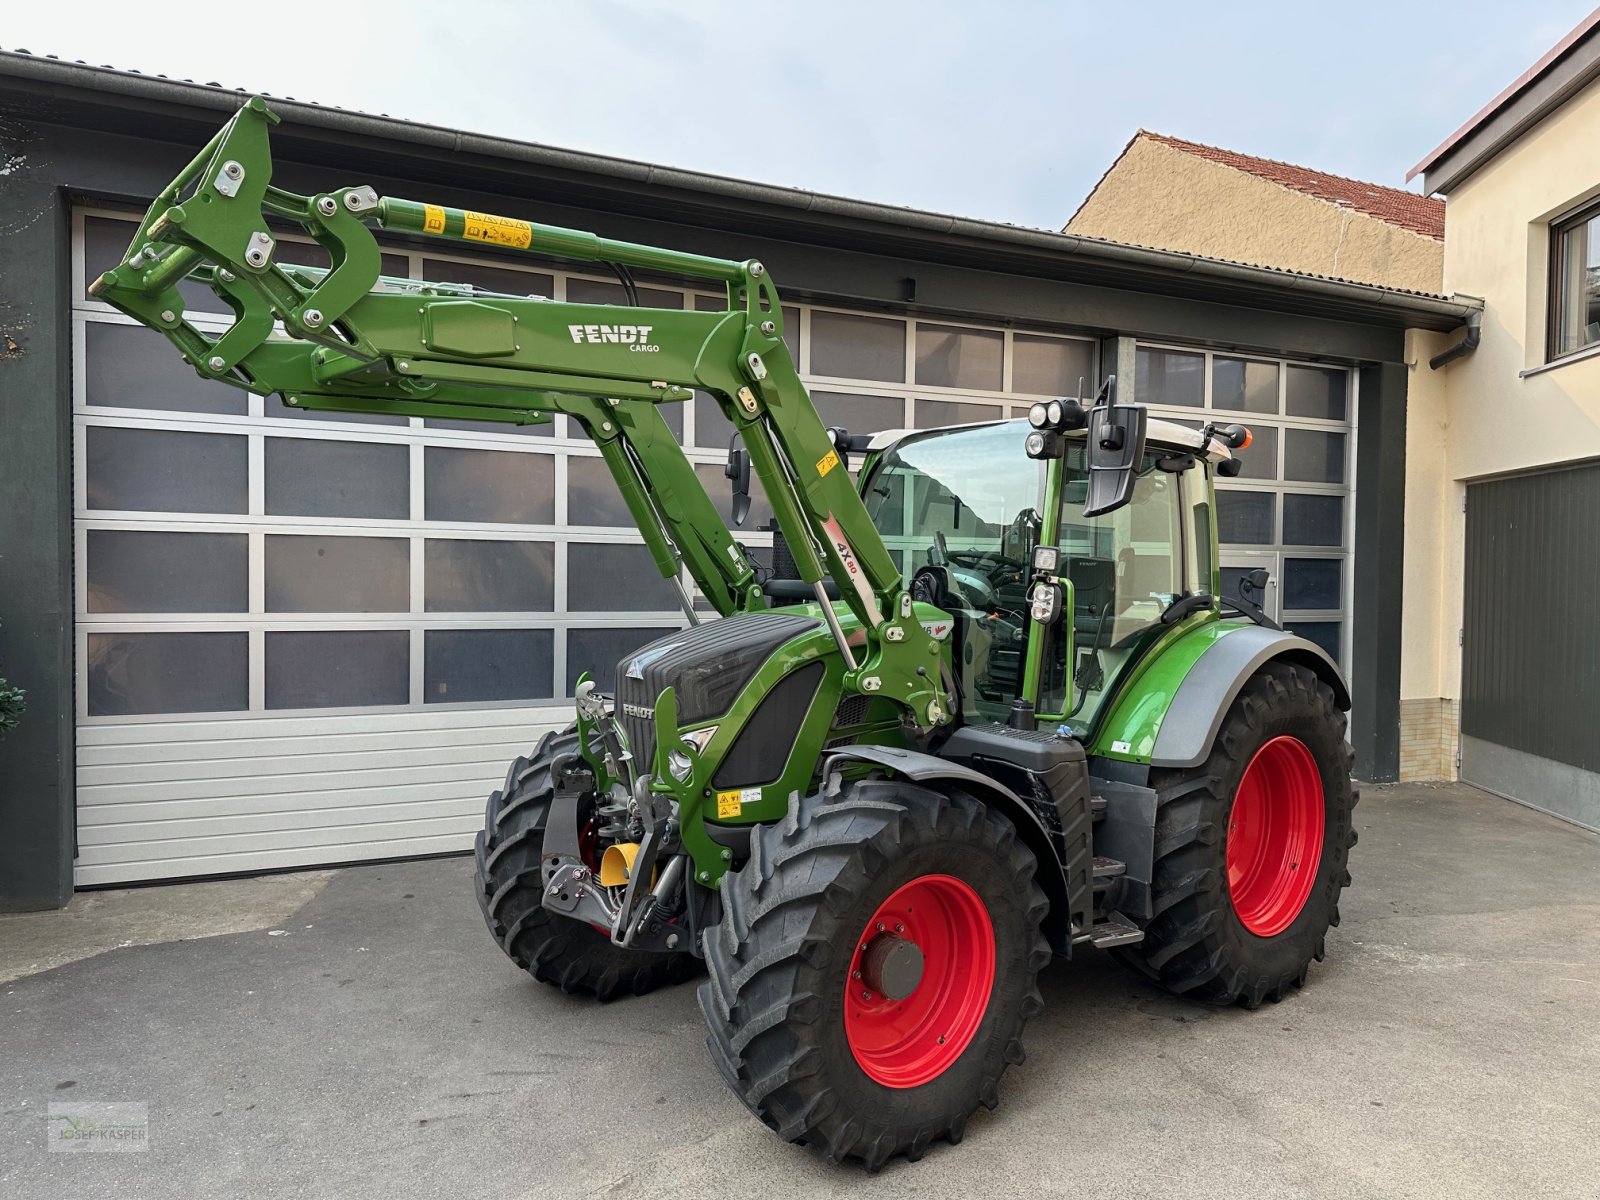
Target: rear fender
[{"x": 1170, "y": 715}]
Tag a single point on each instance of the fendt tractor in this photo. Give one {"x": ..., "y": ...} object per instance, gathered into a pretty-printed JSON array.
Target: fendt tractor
[{"x": 986, "y": 708}]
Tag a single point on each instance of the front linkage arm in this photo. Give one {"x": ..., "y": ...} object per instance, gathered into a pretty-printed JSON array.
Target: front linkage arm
[{"x": 358, "y": 344}]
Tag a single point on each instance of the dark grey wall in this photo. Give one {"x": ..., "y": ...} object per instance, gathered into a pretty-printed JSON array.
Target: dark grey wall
[
  {"x": 1530, "y": 666},
  {"x": 64, "y": 163},
  {"x": 36, "y": 759},
  {"x": 1379, "y": 565}
]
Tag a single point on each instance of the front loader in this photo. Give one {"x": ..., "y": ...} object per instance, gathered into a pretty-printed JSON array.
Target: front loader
[{"x": 990, "y": 710}]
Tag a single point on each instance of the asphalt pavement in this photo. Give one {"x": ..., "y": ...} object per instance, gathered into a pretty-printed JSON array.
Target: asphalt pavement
[{"x": 356, "y": 1034}]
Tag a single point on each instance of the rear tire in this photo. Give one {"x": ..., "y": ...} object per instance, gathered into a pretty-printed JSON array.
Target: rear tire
[
  {"x": 1240, "y": 912},
  {"x": 810, "y": 1048},
  {"x": 568, "y": 954}
]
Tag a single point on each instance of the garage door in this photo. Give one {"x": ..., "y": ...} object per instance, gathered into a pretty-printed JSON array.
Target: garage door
[
  {"x": 1530, "y": 680},
  {"x": 309, "y": 638}
]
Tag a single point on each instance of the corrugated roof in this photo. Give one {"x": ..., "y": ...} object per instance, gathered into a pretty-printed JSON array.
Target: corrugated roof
[{"x": 1409, "y": 210}]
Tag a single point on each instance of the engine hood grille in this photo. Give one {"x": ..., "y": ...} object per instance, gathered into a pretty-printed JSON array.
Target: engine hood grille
[{"x": 708, "y": 664}]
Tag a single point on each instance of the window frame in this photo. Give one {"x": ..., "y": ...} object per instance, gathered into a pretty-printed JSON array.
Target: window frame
[{"x": 1556, "y": 300}]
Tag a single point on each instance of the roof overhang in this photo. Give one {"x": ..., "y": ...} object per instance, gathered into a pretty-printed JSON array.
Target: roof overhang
[
  {"x": 74, "y": 95},
  {"x": 1569, "y": 66}
]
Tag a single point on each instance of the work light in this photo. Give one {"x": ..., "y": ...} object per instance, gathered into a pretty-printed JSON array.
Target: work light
[
  {"x": 1045, "y": 602},
  {"x": 1047, "y": 559}
]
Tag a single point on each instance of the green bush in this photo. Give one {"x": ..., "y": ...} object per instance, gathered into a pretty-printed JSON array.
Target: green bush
[{"x": 11, "y": 705}]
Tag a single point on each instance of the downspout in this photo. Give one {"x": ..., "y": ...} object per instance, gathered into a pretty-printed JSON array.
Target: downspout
[{"x": 1467, "y": 344}]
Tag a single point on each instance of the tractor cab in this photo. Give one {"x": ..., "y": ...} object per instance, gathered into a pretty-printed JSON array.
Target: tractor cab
[{"x": 963, "y": 511}]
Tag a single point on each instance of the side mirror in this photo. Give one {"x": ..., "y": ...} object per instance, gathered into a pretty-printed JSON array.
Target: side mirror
[
  {"x": 1254, "y": 581},
  {"x": 738, "y": 470},
  {"x": 1115, "y": 447}
]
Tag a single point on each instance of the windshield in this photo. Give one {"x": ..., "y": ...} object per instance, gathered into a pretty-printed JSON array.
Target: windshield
[{"x": 959, "y": 511}]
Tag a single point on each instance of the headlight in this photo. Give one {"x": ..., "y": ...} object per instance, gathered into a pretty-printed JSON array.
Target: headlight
[
  {"x": 1035, "y": 443},
  {"x": 679, "y": 765},
  {"x": 698, "y": 738},
  {"x": 1046, "y": 603},
  {"x": 1038, "y": 416},
  {"x": 1053, "y": 413}
]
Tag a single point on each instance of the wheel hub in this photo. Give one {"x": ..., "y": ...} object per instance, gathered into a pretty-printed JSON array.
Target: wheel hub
[
  {"x": 891, "y": 966},
  {"x": 1274, "y": 842},
  {"x": 921, "y": 974}
]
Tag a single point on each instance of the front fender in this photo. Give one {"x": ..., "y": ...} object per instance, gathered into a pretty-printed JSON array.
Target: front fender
[{"x": 1170, "y": 714}]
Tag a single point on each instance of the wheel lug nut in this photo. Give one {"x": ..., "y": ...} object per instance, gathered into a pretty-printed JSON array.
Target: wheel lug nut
[
  {"x": 866, "y": 995},
  {"x": 880, "y": 926},
  {"x": 899, "y": 928},
  {"x": 855, "y": 974}
]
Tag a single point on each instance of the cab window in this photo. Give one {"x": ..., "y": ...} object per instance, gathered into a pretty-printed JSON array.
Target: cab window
[
  {"x": 959, "y": 510},
  {"x": 1126, "y": 567}
]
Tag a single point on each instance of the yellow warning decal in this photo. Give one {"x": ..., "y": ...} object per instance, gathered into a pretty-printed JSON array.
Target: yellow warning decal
[
  {"x": 432, "y": 219},
  {"x": 729, "y": 804},
  {"x": 827, "y": 462},
  {"x": 498, "y": 231}
]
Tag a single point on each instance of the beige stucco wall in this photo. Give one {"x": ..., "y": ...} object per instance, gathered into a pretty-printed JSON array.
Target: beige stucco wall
[
  {"x": 1477, "y": 417},
  {"x": 1430, "y": 605},
  {"x": 1159, "y": 196}
]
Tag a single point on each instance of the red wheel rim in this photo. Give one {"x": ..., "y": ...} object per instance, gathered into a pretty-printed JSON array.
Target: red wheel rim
[
  {"x": 906, "y": 1042},
  {"x": 1275, "y": 836}
]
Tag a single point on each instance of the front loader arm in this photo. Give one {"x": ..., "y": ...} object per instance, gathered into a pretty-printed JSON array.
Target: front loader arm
[{"x": 350, "y": 343}]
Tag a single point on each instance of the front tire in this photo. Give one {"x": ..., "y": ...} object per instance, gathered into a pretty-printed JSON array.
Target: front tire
[
  {"x": 1251, "y": 847},
  {"x": 509, "y": 883},
  {"x": 877, "y": 960}
]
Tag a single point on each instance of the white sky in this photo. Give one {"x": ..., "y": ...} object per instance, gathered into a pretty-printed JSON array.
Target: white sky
[{"x": 1005, "y": 109}]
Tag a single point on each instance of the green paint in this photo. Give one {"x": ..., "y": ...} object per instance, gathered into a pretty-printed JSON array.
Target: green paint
[{"x": 1144, "y": 695}]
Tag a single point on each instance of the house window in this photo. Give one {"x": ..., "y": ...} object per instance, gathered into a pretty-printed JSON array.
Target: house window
[{"x": 1575, "y": 276}]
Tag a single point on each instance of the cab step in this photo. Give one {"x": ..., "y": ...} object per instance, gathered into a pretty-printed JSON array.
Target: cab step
[
  {"x": 1108, "y": 868},
  {"x": 1115, "y": 930}
]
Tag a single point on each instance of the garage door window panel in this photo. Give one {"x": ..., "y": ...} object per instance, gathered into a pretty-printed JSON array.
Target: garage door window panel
[
  {"x": 954, "y": 357},
  {"x": 156, "y": 571},
  {"x": 311, "y": 573},
  {"x": 306, "y": 477},
  {"x": 484, "y": 665},
  {"x": 1313, "y": 456},
  {"x": 488, "y": 486},
  {"x": 1050, "y": 366},
  {"x": 343, "y": 668},
  {"x": 463, "y": 575},
  {"x": 1241, "y": 385},
  {"x": 1246, "y": 518},
  {"x": 1169, "y": 377},
  {"x": 847, "y": 346},
  {"x": 161, "y": 470},
  {"x": 139, "y": 674},
  {"x": 616, "y": 577},
  {"x": 1313, "y": 520}
]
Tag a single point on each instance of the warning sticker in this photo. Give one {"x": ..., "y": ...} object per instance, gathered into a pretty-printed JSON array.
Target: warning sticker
[
  {"x": 432, "y": 219},
  {"x": 827, "y": 462},
  {"x": 729, "y": 804},
  {"x": 498, "y": 231}
]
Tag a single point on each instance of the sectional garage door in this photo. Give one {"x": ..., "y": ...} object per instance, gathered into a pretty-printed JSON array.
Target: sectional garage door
[
  {"x": 1530, "y": 679},
  {"x": 307, "y": 639}
]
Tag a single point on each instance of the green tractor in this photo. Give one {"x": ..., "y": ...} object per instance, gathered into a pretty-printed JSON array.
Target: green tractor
[{"x": 988, "y": 708}]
